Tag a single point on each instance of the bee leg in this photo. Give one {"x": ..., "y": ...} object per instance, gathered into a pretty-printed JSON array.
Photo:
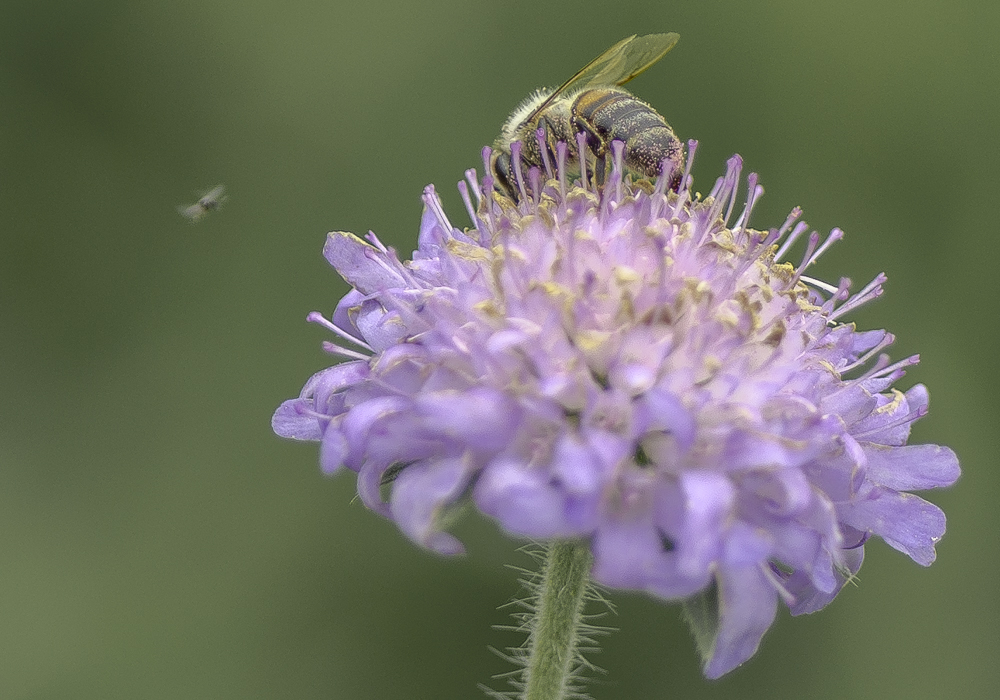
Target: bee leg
[
  {"x": 551, "y": 139},
  {"x": 600, "y": 170},
  {"x": 598, "y": 147}
]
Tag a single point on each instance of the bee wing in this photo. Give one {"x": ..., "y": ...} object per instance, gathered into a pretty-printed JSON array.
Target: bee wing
[
  {"x": 213, "y": 197},
  {"x": 616, "y": 66},
  {"x": 192, "y": 213}
]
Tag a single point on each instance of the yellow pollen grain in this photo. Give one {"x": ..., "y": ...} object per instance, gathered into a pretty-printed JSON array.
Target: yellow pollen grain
[
  {"x": 488, "y": 307},
  {"x": 626, "y": 275},
  {"x": 556, "y": 290},
  {"x": 725, "y": 314},
  {"x": 710, "y": 366},
  {"x": 825, "y": 364},
  {"x": 467, "y": 251},
  {"x": 897, "y": 399},
  {"x": 591, "y": 340}
]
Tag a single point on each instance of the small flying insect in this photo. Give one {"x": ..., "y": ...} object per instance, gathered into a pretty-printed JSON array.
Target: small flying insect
[
  {"x": 592, "y": 102},
  {"x": 210, "y": 201}
]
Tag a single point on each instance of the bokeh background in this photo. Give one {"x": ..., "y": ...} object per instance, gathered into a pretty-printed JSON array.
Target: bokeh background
[{"x": 157, "y": 541}]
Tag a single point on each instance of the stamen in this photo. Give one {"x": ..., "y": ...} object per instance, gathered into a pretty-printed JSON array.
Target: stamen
[
  {"x": 535, "y": 179},
  {"x": 433, "y": 202},
  {"x": 813, "y": 243},
  {"x": 819, "y": 284},
  {"x": 872, "y": 291},
  {"x": 759, "y": 243},
  {"x": 317, "y": 317},
  {"x": 473, "y": 179},
  {"x": 402, "y": 274},
  {"x": 783, "y": 593},
  {"x": 658, "y": 198},
  {"x": 717, "y": 187},
  {"x": 617, "y": 171},
  {"x": 895, "y": 367},
  {"x": 835, "y": 235},
  {"x": 792, "y": 217},
  {"x": 660, "y": 187},
  {"x": 732, "y": 198},
  {"x": 484, "y": 234},
  {"x": 463, "y": 189},
  {"x": 373, "y": 239},
  {"x": 561, "y": 153},
  {"x": 799, "y": 229},
  {"x": 910, "y": 417},
  {"x": 881, "y": 363},
  {"x": 723, "y": 187},
  {"x": 312, "y": 413},
  {"x": 754, "y": 191},
  {"x": 886, "y": 341},
  {"x": 771, "y": 238},
  {"x": 487, "y": 171},
  {"x": 570, "y": 258},
  {"x": 334, "y": 349},
  {"x": 581, "y": 151},
  {"x": 684, "y": 192},
  {"x": 409, "y": 312},
  {"x": 661, "y": 281},
  {"x": 688, "y": 180},
  {"x": 726, "y": 187}
]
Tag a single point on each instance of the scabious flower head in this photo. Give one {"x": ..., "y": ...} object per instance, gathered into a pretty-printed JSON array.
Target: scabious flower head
[{"x": 635, "y": 368}]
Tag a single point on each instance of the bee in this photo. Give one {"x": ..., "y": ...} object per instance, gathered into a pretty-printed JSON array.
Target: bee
[
  {"x": 210, "y": 201},
  {"x": 592, "y": 103}
]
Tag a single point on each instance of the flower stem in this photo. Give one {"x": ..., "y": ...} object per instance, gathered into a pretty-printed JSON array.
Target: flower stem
[{"x": 553, "y": 643}]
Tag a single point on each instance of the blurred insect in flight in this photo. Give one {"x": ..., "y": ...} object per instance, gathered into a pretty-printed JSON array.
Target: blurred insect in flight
[
  {"x": 210, "y": 201},
  {"x": 592, "y": 103}
]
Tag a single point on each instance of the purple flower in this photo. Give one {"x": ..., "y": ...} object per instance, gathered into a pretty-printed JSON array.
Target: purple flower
[{"x": 634, "y": 368}]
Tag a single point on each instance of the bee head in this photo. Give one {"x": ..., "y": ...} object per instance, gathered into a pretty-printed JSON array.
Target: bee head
[{"x": 502, "y": 171}]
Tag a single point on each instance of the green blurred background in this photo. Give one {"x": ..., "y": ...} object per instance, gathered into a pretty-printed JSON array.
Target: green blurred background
[{"x": 157, "y": 541}]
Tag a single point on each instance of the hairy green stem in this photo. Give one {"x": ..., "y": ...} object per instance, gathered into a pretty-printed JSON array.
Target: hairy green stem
[{"x": 555, "y": 633}]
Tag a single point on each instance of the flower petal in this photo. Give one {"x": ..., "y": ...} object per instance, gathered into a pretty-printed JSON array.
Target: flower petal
[
  {"x": 748, "y": 603},
  {"x": 523, "y": 499},
  {"x": 911, "y": 467},
  {"x": 419, "y": 495},
  {"x": 906, "y": 522},
  {"x": 295, "y": 419},
  {"x": 357, "y": 262}
]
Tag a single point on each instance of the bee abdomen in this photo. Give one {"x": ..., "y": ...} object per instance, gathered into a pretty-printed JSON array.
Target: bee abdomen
[
  {"x": 615, "y": 114},
  {"x": 610, "y": 114},
  {"x": 646, "y": 151}
]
